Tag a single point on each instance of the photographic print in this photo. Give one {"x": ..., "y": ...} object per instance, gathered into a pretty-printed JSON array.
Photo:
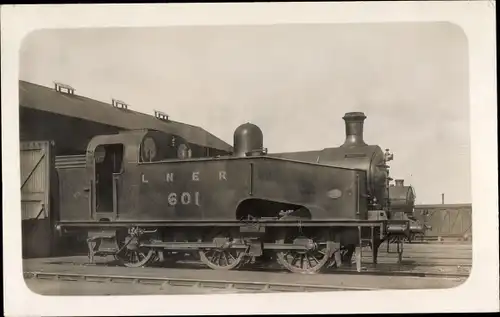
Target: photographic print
[{"x": 217, "y": 159}]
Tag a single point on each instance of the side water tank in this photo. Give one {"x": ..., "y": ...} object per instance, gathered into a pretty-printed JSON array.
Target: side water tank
[{"x": 248, "y": 140}]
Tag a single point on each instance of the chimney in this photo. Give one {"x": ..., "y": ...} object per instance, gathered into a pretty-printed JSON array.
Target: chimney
[
  {"x": 400, "y": 182},
  {"x": 354, "y": 129}
]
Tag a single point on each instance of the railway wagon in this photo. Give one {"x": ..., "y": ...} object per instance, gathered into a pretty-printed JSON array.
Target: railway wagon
[
  {"x": 140, "y": 196},
  {"x": 446, "y": 221}
]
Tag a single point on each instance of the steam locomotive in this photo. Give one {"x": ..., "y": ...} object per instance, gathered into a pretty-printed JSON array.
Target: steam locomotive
[
  {"x": 402, "y": 202},
  {"x": 142, "y": 197}
]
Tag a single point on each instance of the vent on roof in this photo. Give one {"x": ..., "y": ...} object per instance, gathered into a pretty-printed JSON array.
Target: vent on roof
[
  {"x": 161, "y": 115},
  {"x": 119, "y": 104},
  {"x": 64, "y": 88}
]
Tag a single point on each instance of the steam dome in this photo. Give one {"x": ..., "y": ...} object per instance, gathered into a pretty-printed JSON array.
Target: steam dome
[{"x": 248, "y": 138}]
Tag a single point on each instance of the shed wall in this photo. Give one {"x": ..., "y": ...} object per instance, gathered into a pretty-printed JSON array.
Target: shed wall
[{"x": 446, "y": 220}]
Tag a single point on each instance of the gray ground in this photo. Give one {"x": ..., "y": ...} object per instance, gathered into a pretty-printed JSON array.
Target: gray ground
[
  {"x": 75, "y": 288},
  {"x": 418, "y": 258}
]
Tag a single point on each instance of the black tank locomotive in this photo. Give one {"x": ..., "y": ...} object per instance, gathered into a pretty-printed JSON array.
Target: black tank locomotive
[
  {"x": 402, "y": 198},
  {"x": 142, "y": 197}
]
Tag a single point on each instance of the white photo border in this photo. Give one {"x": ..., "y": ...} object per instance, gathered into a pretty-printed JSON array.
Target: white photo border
[{"x": 477, "y": 20}]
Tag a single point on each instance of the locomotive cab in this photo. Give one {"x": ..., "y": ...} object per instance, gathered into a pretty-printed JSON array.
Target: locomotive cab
[
  {"x": 99, "y": 184},
  {"x": 114, "y": 155}
]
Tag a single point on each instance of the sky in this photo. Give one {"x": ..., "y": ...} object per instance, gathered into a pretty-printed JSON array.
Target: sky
[{"x": 294, "y": 81}]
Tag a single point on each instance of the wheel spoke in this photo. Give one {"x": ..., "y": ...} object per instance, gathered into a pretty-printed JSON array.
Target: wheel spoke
[
  {"x": 312, "y": 260},
  {"x": 225, "y": 258},
  {"x": 222, "y": 258},
  {"x": 133, "y": 257},
  {"x": 213, "y": 255},
  {"x": 309, "y": 261},
  {"x": 217, "y": 259}
]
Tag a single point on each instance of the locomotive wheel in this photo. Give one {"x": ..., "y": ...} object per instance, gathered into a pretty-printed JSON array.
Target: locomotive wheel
[
  {"x": 223, "y": 257},
  {"x": 133, "y": 255},
  {"x": 320, "y": 248}
]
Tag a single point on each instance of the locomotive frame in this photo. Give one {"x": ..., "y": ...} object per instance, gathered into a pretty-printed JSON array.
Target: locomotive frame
[{"x": 261, "y": 208}]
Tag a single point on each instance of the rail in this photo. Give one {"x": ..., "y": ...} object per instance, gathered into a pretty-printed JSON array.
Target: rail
[
  {"x": 454, "y": 239},
  {"x": 405, "y": 273},
  {"x": 197, "y": 283}
]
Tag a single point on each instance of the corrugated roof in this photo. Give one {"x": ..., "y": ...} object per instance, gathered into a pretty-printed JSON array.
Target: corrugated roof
[{"x": 46, "y": 99}]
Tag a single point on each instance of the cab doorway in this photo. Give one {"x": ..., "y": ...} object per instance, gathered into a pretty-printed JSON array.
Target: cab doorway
[{"x": 108, "y": 161}]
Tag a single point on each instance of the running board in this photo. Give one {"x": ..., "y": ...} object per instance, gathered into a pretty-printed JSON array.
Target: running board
[{"x": 209, "y": 245}]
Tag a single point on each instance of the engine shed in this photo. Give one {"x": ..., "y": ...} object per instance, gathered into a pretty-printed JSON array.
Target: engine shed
[
  {"x": 70, "y": 120},
  {"x": 56, "y": 123}
]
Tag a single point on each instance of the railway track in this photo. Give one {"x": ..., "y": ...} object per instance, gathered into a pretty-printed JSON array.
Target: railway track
[
  {"x": 196, "y": 279},
  {"x": 390, "y": 270},
  {"x": 420, "y": 269},
  {"x": 408, "y": 273},
  {"x": 423, "y": 267},
  {"x": 195, "y": 283},
  {"x": 443, "y": 239},
  {"x": 380, "y": 270}
]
